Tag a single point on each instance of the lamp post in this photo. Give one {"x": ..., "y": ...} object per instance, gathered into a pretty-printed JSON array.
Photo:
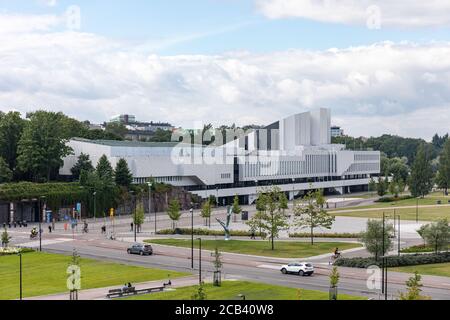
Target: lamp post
[
  {"x": 20, "y": 276},
  {"x": 398, "y": 234},
  {"x": 95, "y": 208},
  {"x": 150, "y": 203},
  {"x": 200, "y": 261},
  {"x": 417, "y": 210},
  {"x": 134, "y": 214},
  {"x": 293, "y": 189},
  {"x": 192, "y": 237},
  {"x": 384, "y": 260},
  {"x": 41, "y": 209}
]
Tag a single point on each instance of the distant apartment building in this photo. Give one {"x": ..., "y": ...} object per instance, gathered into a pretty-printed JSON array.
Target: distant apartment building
[
  {"x": 337, "y": 131},
  {"x": 140, "y": 131}
]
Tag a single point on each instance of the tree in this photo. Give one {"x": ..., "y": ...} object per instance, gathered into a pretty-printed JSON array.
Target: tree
[
  {"x": 122, "y": 174},
  {"x": 443, "y": 179},
  {"x": 283, "y": 202},
  {"x": 206, "y": 211},
  {"x": 5, "y": 238},
  {"x": 217, "y": 263},
  {"x": 104, "y": 169},
  {"x": 421, "y": 179},
  {"x": 334, "y": 277},
  {"x": 310, "y": 213},
  {"x": 200, "y": 293},
  {"x": 139, "y": 217},
  {"x": 83, "y": 163},
  {"x": 372, "y": 185},
  {"x": 11, "y": 129},
  {"x": 117, "y": 129},
  {"x": 6, "y": 174},
  {"x": 174, "y": 211},
  {"x": 256, "y": 223},
  {"x": 373, "y": 237},
  {"x": 394, "y": 188},
  {"x": 436, "y": 234},
  {"x": 381, "y": 186},
  {"x": 236, "y": 208},
  {"x": 43, "y": 145},
  {"x": 414, "y": 286},
  {"x": 272, "y": 220}
]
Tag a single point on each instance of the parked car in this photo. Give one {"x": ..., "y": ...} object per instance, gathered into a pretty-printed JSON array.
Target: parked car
[
  {"x": 300, "y": 268},
  {"x": 141, "y": 249}
]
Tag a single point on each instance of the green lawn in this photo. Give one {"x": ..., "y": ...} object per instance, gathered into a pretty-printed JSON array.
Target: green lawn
[
  {"x": 440, "y": 269},
  {"x": 425, "y": 214},
  {"x": 252, "y": 291},
  {"x": 428, "y": 200},
  {"x": 45, "y": 274},
  {"x": 283, "y": 249}
]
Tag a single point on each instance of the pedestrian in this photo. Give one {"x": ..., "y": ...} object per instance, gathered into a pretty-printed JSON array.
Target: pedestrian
[
  {"x": 49, "y": 229},
  {"x": 103, "y": 229},
  {"x": 132, "y": 225}
]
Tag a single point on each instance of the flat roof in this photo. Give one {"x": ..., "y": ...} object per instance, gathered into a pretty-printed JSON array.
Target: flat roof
[{"x": 134, "y": 144}]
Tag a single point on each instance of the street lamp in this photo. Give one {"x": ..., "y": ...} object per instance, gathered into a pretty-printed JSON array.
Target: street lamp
[
  {"x": 95, "y": 208},
  {"x": 150, "y": 203},
  {"x": 134, "y": 213},
  {"x": 20, "y": 277},
  {"x": 384, "y": 260},
  {"x": 200, "y": 261},
  {"x": 398, "y": 234},
  {"x": 41, "y": 209},
  {"x": 192, "y": 236}
]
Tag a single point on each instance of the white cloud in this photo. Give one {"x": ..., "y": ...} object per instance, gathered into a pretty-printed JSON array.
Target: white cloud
[
  {"x": 399, "y": 13},
  {"x": 21, "y": 23},
  {"x": 387, "y": 87}
]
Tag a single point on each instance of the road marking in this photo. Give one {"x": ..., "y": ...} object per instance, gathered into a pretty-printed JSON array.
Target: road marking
[
  {"x": 269, "y": 266},
  {"x": 35, "y": 244}
]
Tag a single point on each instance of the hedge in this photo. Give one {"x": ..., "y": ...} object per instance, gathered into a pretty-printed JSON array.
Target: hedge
[
  {"x": 393, "y": 199},
  {"x": 207, "y": 232},
  {"x": 395, "y": 261},
  {"x": 325, "y": 235},
  {"x": 419, "y": 248}
]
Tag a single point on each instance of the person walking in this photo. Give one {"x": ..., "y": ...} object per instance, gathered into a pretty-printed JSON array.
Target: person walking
[{"x": 132, "y": 226}]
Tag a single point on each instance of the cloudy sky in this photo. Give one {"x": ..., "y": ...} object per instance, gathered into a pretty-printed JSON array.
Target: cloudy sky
[{"x": 381, "y": 66}]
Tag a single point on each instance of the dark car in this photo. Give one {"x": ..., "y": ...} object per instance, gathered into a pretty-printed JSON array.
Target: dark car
[{"x": 141, "y": 249}]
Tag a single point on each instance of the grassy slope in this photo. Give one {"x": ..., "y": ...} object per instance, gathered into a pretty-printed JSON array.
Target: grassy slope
[
  {"x": 425, "y": 214},
  {"x": 440, "y": 269},
  {"x": 46, "y": 274},
  {"x": 283, "y": 249},
  {"x": 252, "y": 291}
]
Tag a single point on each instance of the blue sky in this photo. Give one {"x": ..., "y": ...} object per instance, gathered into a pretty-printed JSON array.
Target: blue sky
[
  {"x": 381, "y": 66},
  {"x": 233, "y": 25}
]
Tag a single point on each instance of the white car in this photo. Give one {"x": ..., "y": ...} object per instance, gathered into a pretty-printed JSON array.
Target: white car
[{"x": 300, "y": 268}]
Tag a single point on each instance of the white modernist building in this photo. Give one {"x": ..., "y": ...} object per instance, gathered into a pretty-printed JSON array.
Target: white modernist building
[{"x": 294, "y": 153}]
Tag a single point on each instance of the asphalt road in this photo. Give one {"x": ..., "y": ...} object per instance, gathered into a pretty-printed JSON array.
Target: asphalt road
[{"x": 235, "y": 267}]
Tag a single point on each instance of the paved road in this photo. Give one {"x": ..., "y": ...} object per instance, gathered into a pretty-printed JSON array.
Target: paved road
[{"x": 259, "y": 269}]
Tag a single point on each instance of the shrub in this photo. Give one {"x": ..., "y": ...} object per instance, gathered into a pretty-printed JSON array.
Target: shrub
[
  {"x": 419, "y": 248},
  {"x": 11, "y": 251},
  {"x": 325, "y": 235},
  {"x": 206, "y": 232},
  {"x": 395, "y": 261},
  {"x": 393, "y": 199}
]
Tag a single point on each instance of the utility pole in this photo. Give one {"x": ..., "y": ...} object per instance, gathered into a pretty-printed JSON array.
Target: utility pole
[
  {"x": 200, "y": 261},
  {"x": 192, "y": 236}
]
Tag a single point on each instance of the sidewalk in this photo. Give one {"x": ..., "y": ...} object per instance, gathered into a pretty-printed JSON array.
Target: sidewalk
[{"x": 100, "y": 293}]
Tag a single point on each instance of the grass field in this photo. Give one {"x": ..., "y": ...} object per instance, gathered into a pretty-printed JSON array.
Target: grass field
[
  {"x": 425, "y": 214},
  {"x": 428, "y": 200},
  {"x": 252, "y": 291},
  {"x": 283, "y": 249},
  {"x": 440, "y": 269},
  {"x": 45, "y": 274}
]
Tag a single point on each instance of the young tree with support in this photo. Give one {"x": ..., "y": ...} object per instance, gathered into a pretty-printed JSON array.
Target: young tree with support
[
  {"x": 236, "y": 208},
  {"x": 206, "y": 212},
  {"x": 174, "y": 212},
  {"x": 310, "y": 214}
]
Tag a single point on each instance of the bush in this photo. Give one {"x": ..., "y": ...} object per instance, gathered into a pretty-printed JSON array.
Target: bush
[
  {"x": 207, "y": 232},
  {"x": 11, "y": 251},
  {"x": 395, "y": 261},
  {"x": 393, "y": 199},
  {"x": 419, "y": 248},
  {"x": 325, "y": 235}
]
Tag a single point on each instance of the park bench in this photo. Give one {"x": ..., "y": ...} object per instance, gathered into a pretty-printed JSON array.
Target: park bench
[{"x": 125, "y": 292}]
